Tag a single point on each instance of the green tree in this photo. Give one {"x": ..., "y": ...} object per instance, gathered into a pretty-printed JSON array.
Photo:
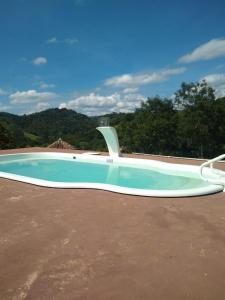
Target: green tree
[
  {"x": 152, "y": 128},
  {"x": 196, "y": 103},
  {"x": 5, "y": 137},
  {"x": 191, "y": 94}
]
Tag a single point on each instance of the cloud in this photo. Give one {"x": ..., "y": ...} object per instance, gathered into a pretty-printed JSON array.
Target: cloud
[
  {"x": 216, "y": 81},
  {"x": 44, "y": 85},
  {"x": 4, "y": 107},
  {"x": 212, "y": 49},
  {"x": 52, "y": 40},
  {"x": 68, "y": 41},
  {"x": 31, "y": 96},
  {"x": 39, "y": 61},
  {"x": 42, "y": 106},
  {"x": 71, "y": 41},
  {"x": 130, "y": 90},
  {"x": 221, "y": 66},
  {"x": 63, "y": 105},
  {"x": 37, "y": 108},
  {"x": 3, "y": 92},
  {"x": 94, "y": 100},
  {"x": 95, "y": 104},
  {"x": 136, "y": 80}
]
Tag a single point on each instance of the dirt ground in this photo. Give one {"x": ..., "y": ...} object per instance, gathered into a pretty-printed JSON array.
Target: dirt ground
[{"x": 99, "y": 245}]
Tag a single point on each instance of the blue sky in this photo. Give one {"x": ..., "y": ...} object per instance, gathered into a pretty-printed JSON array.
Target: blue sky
[{"x": 99, "y": 56}]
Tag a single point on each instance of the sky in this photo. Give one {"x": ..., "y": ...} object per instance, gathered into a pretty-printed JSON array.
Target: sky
[{"x": 102, "y": 56}]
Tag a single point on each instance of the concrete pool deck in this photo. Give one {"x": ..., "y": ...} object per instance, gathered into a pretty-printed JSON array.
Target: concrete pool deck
[{"x": 91, "y": 244}]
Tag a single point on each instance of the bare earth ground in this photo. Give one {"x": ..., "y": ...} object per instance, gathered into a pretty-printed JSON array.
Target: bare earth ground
[{"x": 90, "y": 244}]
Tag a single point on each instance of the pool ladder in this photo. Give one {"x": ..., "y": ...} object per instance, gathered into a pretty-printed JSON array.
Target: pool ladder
[{"x": 220, "y": 174}]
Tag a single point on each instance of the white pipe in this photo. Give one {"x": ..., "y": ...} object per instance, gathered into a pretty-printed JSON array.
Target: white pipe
[{"x": 221, "y": 178}]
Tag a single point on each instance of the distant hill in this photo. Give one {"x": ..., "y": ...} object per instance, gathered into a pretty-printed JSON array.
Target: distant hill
[{"x": 43, "y": 128}]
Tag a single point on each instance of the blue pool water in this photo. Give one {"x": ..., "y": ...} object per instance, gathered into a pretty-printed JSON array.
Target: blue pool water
[{"x": 77, "y": 171}]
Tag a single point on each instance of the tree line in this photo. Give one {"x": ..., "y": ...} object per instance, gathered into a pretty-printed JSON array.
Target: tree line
[{"x": 191, "y": 124}]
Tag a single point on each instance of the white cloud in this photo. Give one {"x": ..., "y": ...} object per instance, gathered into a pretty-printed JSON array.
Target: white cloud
[
  {"x": 136, "y": 80},
  {"x": 44, "y": 85},
  {"x": 68, "y": 41},
  {"x": 42, "y": 106},
  {"x": 31, "y": 96},
  {"x": 95, "y": 104},
  {"x": 130, "y": 90},
  {"x": 52, "y": 40},
  {"x": 4, "y": 107},
  {"x": 94, "y": 100},
  {"x": 71, "y": 41},
  {"x": 221, "y": 66},
  {"x": 217, "y": 81},
  {"x": 39, "y": 61},
  {"x": 37, "y": 108},
  {"x": 212, "y": 49},
  {"x": 63, "y": 105},
  {"x": 3, "y": 92}
]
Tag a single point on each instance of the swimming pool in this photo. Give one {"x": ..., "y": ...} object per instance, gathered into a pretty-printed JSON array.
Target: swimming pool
[{"x": 118, "y": 174}]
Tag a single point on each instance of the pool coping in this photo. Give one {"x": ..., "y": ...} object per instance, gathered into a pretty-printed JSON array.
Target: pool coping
[{"x": 211, "y": 188}]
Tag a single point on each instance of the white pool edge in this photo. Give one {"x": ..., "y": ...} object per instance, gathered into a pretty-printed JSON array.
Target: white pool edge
[{"x": 211, "y": 188}]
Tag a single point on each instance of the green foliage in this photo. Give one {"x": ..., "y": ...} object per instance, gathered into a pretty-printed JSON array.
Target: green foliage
[
  {"x": 31, "y": 136},
  {"x": 42, "y": 129},
  {"x": 11, "y": 136},
  {"x": 5, "y": 137},
  {"x": 192, "y": 125},
  {"x": 151, "y": 128},
  {"x": 199, "y": 121},
  {"x": 190, "y": 94}
]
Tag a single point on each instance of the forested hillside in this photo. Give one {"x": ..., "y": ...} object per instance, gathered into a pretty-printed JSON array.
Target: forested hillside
[
  {"x": 192, "y": 124},
  {"x": 41, "y": 129}
]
